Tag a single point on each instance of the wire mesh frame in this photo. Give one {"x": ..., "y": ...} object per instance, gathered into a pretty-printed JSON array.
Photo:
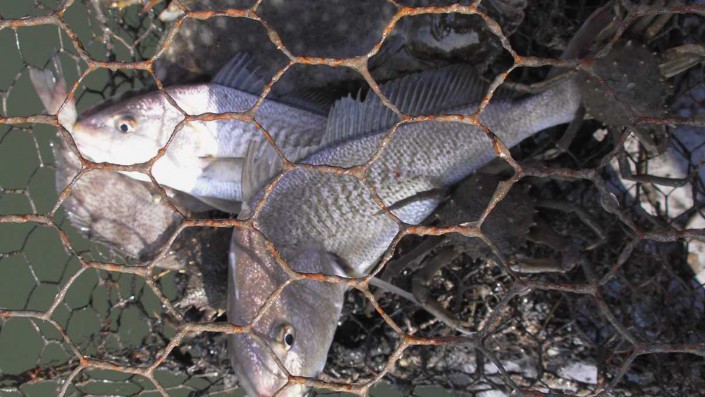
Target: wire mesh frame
[{"x": 519, "y": 286}]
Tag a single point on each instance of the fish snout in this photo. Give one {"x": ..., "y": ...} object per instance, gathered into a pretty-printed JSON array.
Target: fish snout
[
  {"x": 258, "y": 373},
  {"x": 86, "y": 139},
  {"x": 87, "y": 128}
]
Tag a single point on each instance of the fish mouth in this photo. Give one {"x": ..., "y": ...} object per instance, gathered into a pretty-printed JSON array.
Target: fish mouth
[
  {"x": 84, "y": 144},
  {"x": 257, "y": 372},
  {"x": 87, "y": 142}
]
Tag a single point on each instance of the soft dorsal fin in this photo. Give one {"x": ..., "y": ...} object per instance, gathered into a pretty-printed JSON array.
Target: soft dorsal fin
[
  {"x": 240, "y": 73},
  {"x": 351, "y": 118},
  {"x": 424, "y": 93}
]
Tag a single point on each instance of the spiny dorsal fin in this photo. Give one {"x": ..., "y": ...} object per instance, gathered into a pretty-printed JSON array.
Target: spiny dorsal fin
[
  {"x": 424, "y": 93},
  {"x": 314, "y": 100},
  {"x": 240, "y": 73}
]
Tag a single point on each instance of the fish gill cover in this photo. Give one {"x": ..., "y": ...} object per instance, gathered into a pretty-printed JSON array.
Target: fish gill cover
[{"x": 572, "y": 266}]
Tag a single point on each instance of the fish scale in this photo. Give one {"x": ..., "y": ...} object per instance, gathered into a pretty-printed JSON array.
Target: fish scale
[
  {"x": 204, "y": 158},
  {"x": 230, "y": 138},
  {"x": 312, "y": 214},
  {"x": 288, "y": 126},
  {"x": 420, "y": 157}
]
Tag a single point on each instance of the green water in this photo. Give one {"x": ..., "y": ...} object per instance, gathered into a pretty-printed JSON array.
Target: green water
[{"x": 34, "y": 263}]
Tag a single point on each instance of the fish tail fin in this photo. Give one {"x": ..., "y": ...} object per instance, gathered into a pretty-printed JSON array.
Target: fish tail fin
[
  {"x": 516, "y": 121},
  {"x": 52, "y": 91}
]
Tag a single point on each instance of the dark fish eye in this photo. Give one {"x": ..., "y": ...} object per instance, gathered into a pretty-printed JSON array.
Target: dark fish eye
[
  {"x": 286, "y": 336},
  {"x": 125, "y": 124}
]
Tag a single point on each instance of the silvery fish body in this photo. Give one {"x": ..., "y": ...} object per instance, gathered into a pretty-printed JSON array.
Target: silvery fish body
[
  {"x": 203, "y": 158},
  {"x": 330, "y": 223}
]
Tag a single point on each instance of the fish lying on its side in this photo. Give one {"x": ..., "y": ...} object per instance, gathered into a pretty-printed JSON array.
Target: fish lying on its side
[
  {"x": 328, "y": 223},
  {"x": 205, "y": 158}
]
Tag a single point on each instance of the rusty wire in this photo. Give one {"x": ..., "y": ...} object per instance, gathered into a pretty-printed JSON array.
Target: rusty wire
[{"x": 592, "y": 303}]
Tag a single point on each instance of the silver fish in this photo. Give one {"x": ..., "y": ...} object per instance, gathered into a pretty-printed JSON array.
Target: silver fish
[
  {"x": 328, "y": 223},
  {"x": 204, "y": 158}
]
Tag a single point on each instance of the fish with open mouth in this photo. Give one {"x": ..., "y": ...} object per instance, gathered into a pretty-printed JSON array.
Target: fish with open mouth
[{"x": 330, "y": 223}]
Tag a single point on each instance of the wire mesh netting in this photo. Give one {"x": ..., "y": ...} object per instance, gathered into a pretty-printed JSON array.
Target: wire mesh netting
[{"x": 572, "y": 265}]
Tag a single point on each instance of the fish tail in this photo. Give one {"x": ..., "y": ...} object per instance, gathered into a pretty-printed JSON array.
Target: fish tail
[
  {"x": 514, "y": 122},
  {"x": 52, "y": 92}
]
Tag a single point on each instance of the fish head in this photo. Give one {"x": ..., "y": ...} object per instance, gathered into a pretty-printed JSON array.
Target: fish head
[
  {"x": 127, "y": 132},
  {"x": 294, "y": 332}
]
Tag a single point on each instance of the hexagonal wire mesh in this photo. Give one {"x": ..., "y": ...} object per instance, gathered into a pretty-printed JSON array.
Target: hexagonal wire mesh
[{"x": 114, "y": 286}]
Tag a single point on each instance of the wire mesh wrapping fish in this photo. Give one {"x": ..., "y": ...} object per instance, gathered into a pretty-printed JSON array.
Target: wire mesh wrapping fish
[
  {"x": 329, "y": 223},
  {"x": 204, "y": 158}
]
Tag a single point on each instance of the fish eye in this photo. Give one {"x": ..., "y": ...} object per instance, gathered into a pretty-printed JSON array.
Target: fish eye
[
  {"x": 286, "y": 336},
  {"x": 125, "y": 124}
]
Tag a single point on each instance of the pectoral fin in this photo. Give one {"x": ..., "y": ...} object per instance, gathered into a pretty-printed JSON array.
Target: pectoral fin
[
  {"x": 262, "y": 164},
  {"x": 220, "y": 184}
]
